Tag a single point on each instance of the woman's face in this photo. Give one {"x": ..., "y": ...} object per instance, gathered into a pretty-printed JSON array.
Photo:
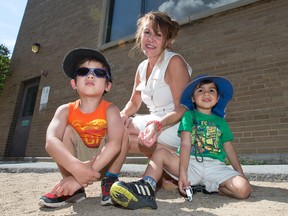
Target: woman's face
[{"x": 151, "y": 42}]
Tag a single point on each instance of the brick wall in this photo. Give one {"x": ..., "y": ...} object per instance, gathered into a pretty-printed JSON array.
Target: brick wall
[{"x": 248, "y": 45}]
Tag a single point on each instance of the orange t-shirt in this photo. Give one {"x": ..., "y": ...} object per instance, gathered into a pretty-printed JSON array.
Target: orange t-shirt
[{"x": 91, "y": 127}]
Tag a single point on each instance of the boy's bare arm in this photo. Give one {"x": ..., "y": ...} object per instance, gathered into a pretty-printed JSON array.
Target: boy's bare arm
[
  {"x": 233, "y": 157},
  {"x": 82, "y": 172},
  {"x": 185, "y": 148},
  {"x": 113, "y": 139},
  {"x": 54, "y": 136}
]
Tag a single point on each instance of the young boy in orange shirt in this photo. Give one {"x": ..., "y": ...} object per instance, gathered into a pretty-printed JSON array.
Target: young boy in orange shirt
[{"x": 86, "y": 138}]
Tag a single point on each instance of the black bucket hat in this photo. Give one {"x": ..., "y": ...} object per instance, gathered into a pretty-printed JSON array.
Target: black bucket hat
[
  {"x": 72, "y": 59},
  {"x": 225, "y": 93}
]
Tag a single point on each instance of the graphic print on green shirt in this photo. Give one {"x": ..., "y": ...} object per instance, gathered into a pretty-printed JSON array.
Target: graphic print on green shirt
[{"x": 212, "y": 132}]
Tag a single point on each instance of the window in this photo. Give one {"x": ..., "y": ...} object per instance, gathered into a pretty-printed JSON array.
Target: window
[
  {"x": 123, "y": 14},
  {"x": 29, "y": 104}
]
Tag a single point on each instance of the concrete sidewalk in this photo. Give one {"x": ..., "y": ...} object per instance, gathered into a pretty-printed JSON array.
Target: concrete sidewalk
[{"x": 253, "y": 172}]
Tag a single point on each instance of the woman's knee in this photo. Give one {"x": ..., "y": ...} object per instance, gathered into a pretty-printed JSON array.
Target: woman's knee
[
  {"x": 134, "y": 146},
  {"x": 166, "y": 147},
  {"x": 159, "y": 152}
]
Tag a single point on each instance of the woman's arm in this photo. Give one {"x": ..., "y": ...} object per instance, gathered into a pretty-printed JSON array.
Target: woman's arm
[
  {"x": 135, "y": 100},
  {"x": 177, "y": 77}
]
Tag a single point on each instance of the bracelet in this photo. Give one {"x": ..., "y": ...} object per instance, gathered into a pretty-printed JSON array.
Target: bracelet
[{"x": 157, "y": 123}]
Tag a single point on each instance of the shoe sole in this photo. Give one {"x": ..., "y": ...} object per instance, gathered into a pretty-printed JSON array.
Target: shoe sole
[
  {"x": 75, "y": 199},
  {"x": 122, "y": 196},
  {"x": 42, "y": 203},
  {"x": 106, "y": 202}
]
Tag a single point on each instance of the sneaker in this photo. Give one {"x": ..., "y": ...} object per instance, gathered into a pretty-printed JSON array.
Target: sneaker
[
  {"x": 201, "y": 188},
  {"x": 134, "y": 195},
  {"x": 52, "y": 201},
  {"x": 105, "y": 188},
  {"x": 198, "y": 188}
]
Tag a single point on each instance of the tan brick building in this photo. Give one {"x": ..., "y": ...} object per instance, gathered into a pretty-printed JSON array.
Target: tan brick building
[{"x": 245, "y": 41}]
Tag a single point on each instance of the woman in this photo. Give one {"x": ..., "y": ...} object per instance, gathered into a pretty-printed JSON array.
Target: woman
[{"x": 159, "y": 82}]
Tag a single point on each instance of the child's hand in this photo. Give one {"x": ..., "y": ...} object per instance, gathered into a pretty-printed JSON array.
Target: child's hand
[
  {"x": 67, "y": 186},
  {"x": 84, "y": 173},
  {"x": 183, "y": 183}
]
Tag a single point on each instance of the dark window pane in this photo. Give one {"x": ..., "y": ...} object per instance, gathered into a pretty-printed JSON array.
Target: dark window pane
[
  {"x": 125, "y": 15},
  {"x": 30, "y": 101}
]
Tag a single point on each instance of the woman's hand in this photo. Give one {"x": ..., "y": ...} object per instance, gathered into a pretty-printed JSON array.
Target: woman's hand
[
  {"x": 149, "y": 136},
  {"x": 126, "y": 120}
]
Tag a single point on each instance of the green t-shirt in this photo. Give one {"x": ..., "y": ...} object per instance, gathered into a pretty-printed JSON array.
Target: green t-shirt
[{"x": 212, "y": 130}]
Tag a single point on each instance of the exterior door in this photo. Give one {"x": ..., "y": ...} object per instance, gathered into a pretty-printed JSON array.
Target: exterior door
[{"x": 24, "y": 117}]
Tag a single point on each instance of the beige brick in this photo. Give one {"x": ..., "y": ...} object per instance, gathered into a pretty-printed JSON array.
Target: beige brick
[{"x": 248, "y": 45}]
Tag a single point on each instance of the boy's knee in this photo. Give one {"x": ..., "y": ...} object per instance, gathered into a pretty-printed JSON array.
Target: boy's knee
[
  {"x": 237, "y": 187},
  {"x": 245, "y": 191}
]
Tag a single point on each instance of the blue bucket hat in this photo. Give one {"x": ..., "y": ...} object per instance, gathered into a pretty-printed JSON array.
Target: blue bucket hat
[{"x": 225, "y": 93}]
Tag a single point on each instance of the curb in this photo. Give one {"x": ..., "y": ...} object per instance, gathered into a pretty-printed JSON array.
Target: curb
[{"x": 253, "y": 173}]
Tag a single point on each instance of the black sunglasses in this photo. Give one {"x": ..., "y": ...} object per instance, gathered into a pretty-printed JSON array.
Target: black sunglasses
[{"x": 97, "y": 72}]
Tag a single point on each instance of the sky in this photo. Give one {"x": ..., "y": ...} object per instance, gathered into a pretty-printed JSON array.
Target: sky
[{"x": 11, "y": 14}]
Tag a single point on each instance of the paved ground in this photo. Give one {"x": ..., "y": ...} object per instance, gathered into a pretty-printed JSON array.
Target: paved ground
[{"x": 24, "y": 182}]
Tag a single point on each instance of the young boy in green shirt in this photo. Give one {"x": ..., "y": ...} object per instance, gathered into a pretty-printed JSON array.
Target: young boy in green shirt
[{"x": 205, "y": 142}]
